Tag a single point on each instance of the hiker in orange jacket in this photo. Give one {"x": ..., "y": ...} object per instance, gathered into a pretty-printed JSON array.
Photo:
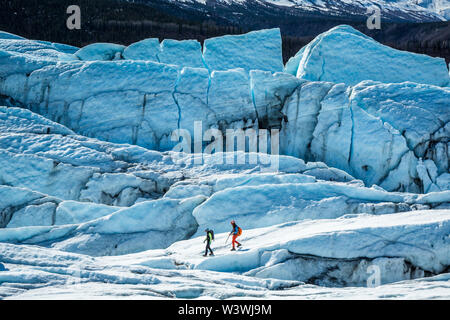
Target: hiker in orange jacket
[{"x": 236, "y": 232}]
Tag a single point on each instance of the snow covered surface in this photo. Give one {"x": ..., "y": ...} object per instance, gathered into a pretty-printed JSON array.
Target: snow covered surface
[
  {"x": 94, "y": 203},
  {"x": 280, "y": 266}
]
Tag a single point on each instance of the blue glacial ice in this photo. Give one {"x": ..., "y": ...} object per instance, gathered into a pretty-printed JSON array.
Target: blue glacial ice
[
  {"x": 256, "y": 50},
  {"x": 371, "y": 130},
  {"x": 100, "y": 51},
  {"x": 183, "y": 53},
  {"x": 343, "y": 54},
  {"x": 92, "y": 193},
  {"x": 147, "y": 49}
]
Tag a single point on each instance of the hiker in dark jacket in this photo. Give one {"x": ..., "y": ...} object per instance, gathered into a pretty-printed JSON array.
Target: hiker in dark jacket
[{"x": 208, "y": 240}]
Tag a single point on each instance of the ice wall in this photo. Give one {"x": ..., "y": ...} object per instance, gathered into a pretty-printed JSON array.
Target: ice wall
[
  {"x": 346, "y": 55},
  {"x": 375, "y": 131}
]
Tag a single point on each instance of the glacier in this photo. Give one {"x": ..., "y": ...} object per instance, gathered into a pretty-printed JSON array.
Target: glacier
[
  {"x": 95, "y": 198},
  {"x": 318, "y": 120},
  {"x": 100, "y": 51},
  {"x": 346, "y": 55}
]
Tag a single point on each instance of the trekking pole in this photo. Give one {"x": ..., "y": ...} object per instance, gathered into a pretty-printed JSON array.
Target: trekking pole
[{"x": 227, "y": 238}]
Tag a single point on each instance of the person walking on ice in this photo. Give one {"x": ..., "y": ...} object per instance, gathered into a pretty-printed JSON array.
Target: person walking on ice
[
  {"x": 208, "y": 240},
  {"x": 236, "y": 232}
]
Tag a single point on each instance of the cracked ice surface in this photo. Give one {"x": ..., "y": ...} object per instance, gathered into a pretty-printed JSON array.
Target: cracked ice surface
[
  {"x": 93, "y": 201},
  {"x": 375, "y": 131},
  {"x": 68, "y": 172},
  {"x": 346, "y": 55}
]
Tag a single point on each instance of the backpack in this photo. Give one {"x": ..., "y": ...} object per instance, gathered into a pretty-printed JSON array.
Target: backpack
[
  {"x": 239, "y": 231},
  {"x": 212, "y": 234}
]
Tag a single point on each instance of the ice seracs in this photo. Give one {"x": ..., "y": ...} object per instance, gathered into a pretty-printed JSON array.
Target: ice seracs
[
  {"x": 42, "y": 50},
  {"x": 184, "y": 53},
  {"x": 256, "y": 50},
  {"x": 100, "y": 52},
  {"x": 91, "y": 190},
  {"x": 343, "y": 54},
  {"x": 318, "y": 121},
  {"x": 147, "y": 49},
  {"x": 375, "y": 131}
]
